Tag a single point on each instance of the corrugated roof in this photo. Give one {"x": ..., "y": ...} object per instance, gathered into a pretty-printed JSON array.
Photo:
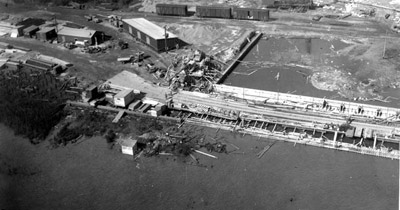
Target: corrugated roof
[
  {"x": 85, "y": 33},
  {"x": 30, "y": 28},
  {"x": 45, "y": 29},
  {"x": 149, "y": 28}
]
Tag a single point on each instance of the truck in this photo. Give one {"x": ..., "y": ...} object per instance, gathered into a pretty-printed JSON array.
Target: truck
[{"x": 125, "y": 59}]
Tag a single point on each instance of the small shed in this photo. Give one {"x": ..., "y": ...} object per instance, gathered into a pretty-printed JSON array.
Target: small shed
[
  {"x": 128, "y": 146},
  {"x": 17, "y": 31},
  {"x": 124, "y": 97},
  {"x": 3, "y": 64},
  {"x": 30, "y": 32},
  {"x": 67, "y": 34},
  {"x": 47, "y": 33}
]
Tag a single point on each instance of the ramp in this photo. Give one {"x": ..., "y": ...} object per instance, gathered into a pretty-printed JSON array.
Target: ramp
[{"x": 118, "y": 117}]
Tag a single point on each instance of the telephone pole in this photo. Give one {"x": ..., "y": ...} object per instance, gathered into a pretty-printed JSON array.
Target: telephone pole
[{"x": 165, "y": 38}]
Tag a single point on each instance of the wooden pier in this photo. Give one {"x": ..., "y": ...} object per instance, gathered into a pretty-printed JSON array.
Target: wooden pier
[{"x": 239, "y": 58}]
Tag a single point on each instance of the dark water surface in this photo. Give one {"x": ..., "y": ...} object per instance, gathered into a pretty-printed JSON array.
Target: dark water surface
[
  {"x": 91, "y": 176},
  {"x": 256, "y": 70}
]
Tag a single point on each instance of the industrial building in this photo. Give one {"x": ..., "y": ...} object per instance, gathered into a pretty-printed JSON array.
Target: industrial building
[
  {"x": 47, "y": 33},
  {"x": 30, "y": 32},
  {"x": 90, "y": 37},
  {"x": 151, "y": 34}
]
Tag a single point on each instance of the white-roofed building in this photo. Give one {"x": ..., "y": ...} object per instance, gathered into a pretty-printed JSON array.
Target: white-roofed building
[
  {"x": 92, "y": 37},
  {"x": 151, "y": 34},
  {"x": 128, "y": 146}
]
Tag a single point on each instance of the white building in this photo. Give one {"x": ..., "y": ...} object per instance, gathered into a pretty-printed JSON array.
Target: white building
[
  {"x": 124, "y": 98},
  {"x": 128, "y": 146}
]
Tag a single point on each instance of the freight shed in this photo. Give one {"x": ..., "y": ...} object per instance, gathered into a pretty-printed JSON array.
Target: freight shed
[
  {"x": 47, "y": 33},
  {"x": 92, "y": 37},
  {"x": 151, "y": 34},
  {"x": 213, "y": 12},
  {"x": 172, "y": 9},
  {"x": 250, "y": 14}
]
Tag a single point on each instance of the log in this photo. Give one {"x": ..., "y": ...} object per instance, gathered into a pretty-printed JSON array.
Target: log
[{"x": 206, "y": 154}]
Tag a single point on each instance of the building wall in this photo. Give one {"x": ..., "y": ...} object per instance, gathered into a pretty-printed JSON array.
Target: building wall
[
  {"x": 171, "y": 44},
  {"x": 30, "y": 34},
  {"x": 124, "y": 101},
  {"x": 127, "y": 150},
  {"x": 47, "y": 36}
]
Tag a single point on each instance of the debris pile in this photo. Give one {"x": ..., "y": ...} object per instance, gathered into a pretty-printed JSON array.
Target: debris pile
[
  {"x": 175, "y": 141},
  {"x": 194, "y": 71}
]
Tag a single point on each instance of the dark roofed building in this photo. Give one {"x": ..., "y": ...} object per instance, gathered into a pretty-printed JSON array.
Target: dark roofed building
[
  {"x": 30, "y": 31},
  {"x": 30, "y": 21},
  {"x": 47, "y": 33},
  {"x": 84, "y": 35}
]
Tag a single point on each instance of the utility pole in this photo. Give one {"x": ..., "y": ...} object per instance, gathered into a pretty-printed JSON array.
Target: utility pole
[
  {"x": 56, "y": 26},
  {"x": 165, "y": 38}
]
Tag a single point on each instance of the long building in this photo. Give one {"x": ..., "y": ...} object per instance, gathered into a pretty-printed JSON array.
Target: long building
[{"x": 151, "y": 34}]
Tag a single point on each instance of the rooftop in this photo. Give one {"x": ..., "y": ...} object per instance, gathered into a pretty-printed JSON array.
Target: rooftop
[
  {"x": 123, "y": 93},
  {"x": 86, "y": 33},
  {"x": 149, "y": 28},
  {"x": 46, "y": 29},
  {"x": 128, "y": 142},
  {"x": 30, "y": 28},
  {"x": 129, "y": 80}
]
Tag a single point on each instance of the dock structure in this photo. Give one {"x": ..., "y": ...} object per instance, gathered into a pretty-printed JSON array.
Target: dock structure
[
  {"x": 239, "y": 58},
  {"x": 295, "y": 118},
  {"x": 290, "y": 120}
]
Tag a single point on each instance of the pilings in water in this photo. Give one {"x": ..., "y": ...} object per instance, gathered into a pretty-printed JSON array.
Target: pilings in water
[{"x": 241, "y": 55}]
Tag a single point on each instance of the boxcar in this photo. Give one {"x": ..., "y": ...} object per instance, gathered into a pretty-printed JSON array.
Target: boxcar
[
  {"x": 260, "y": 14},
  {"x": 250, "y": 14},
  {"x": 172, "y": 9},
  {"x": 213, "y": 12}
]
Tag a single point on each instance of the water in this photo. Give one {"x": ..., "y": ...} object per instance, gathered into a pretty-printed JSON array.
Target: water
[
  {"x": 91, "y": 176},
  {"x": 292, "y": 79},
  {"x": 293, "y": 59}
]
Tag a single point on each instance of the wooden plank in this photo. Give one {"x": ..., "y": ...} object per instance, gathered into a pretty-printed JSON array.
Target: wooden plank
[{"x": 118, "y": 117}]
